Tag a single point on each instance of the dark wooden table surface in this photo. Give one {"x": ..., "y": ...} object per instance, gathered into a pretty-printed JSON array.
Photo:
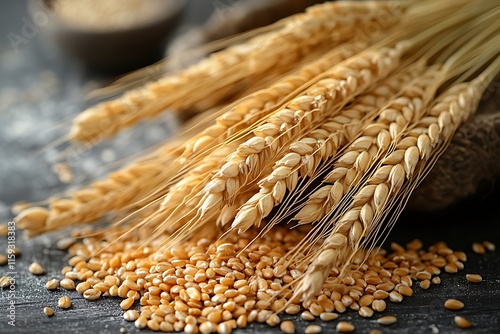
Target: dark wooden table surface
[{"x": 40, "y": 88}]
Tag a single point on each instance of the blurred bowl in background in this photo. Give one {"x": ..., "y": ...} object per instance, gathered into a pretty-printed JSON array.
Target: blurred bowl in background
[{"x": 111, "y": 35}]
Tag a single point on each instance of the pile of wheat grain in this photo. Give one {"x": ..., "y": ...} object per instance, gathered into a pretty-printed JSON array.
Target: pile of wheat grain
[{"x": 342, "y": 112}]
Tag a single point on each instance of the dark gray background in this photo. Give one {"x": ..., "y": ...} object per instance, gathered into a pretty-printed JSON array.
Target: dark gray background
[{"x": 40, "y": 89}]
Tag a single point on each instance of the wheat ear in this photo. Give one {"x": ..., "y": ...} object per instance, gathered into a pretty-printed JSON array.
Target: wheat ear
[
  {"x": 120, "y": 189},
  {"x": 306, "y": 154},
  {"x": 264, "y": 54},
  {"x": 257, "y": 105},
  {"x": 327, "y": 96}
]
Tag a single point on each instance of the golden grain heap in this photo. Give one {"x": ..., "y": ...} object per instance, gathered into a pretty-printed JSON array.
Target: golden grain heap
[{"x": 326, "y": 120}]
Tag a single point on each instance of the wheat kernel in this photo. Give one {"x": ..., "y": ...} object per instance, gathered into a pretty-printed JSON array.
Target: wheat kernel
[
  {"x": 328, "y": 316},
  {"x": 308, "y": 316},
  {"x": 425, "y": 284},
  {"x": 387, "y": 320},
  {"x": 127, "y": 303},
  {"x": 365, "y": 312},
  {"x": 287, "y": 327},
  {"x": 242, "y": 321},
  {"x": 462, "y": 322},
  {"x": 489, "y": 246},
  {"x": 205, "y": 328},
  {"x": 48, "y": 311},
  {"x": 436, "y": 280},
  {"x": 16, "y": 251},
  {"x": 313, "y": 329},
  {"x": 453, "y": 304},
  {"x": 131, "y": 315},
  {"x": 178, "y": 325},
  {"x": 92, "y": 294},
  {"x": 52, "y": 284},
  {"x": 478, "y": 248},
  {"x": 451, "y": 268},
  {"x": 379, "y": 305},
  {"x": 4, "y": 230},
  {"x": 380, "y": 294},
  {"x": 36, "y": 268},
  {"x": 191, "y": 329},
  {"x": 292, "y": 309},
  {"x": 263, "y": 315},
  {"x": 375, "y": 331},
  {"x": 65, "y": 243},
  {"x": 153, "y": 325},
  {"x": 405, "y": 291},
  {"x": 423, "y": 275},
  {"x": 345, "y": 327},
  {"x": 474, "y": 278},
  {"x": 64, "y": 302},
  {"x": 273, "y": 320},
  {"x": 67, "y": 284},
  {"x": 5, "y": 282},
  {"x": 141, "y": 322},
  {"x": 366, "y": 300},
  {"x": 395, "y": 297},
  {"x": 415, "y": 245},
  {"x": 224, "y": 328}
]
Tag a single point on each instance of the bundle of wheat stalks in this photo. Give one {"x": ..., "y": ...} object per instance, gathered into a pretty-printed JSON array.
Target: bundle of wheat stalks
[{"x": 331, "y": 118}]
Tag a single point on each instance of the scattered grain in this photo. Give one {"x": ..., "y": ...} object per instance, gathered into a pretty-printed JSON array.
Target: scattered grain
[
  {"x": 273, "y": 320},
  {"x": 489, "y": 246},
  {"x": 65, "y": 243},
  {"x": 141, "y": 322},
  {"x": 478, "y": 248},
  {"x": 52, "y": 284},
  {"x": 425, "y": 284},
  {"x": 453, "y": 304},
  {"x": 15, "y": 251},
  {"x": 345, "y": 327},
  {"x": 92, "y": 294},
  {"x": 5, "y": 282},
  {"x": 308, "y": 316},
  {"x": 379, "y": 305},
  {"x": 48, "y": 311},
  {"x": 287, "y": 327},
  {"x": 64, "y": 302},
  {"x": 4, "y": 230},
  {"x": 3, "y": 260},
  {"x": 365, "y": 312},
  {"x": 462, "y": 322},
  {"x": 328, "y": 316},
  {"x": 67, "y": 284},
  {"x": 474, "y": 278},
  {"x": 313, "y": 329},
  {"x": 131, "y": 315},
  {"x": 387, "y": 320}
]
